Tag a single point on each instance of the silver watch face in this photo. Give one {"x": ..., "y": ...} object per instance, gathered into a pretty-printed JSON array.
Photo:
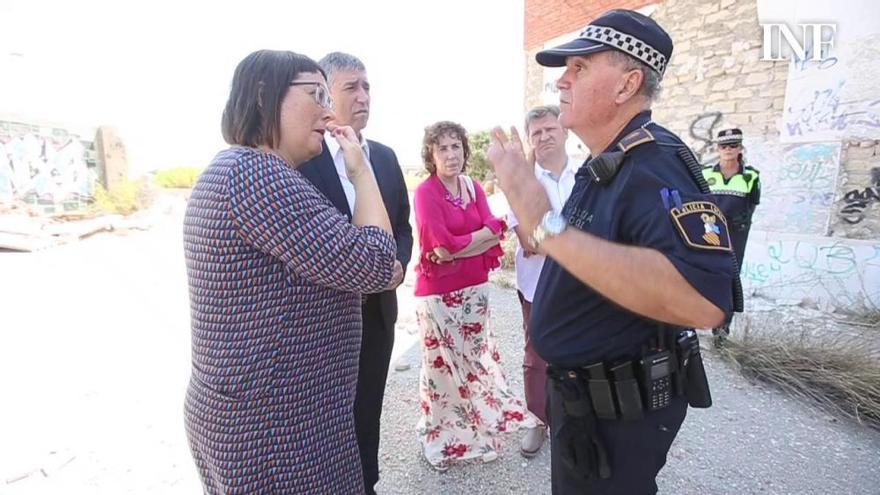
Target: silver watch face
[{"x": 554, "y": 223}]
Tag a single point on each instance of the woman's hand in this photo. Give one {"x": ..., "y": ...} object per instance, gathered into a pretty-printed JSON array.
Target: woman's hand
[
  {"x": 440, "y": 255},
  {"x": 355, "y": 160}
]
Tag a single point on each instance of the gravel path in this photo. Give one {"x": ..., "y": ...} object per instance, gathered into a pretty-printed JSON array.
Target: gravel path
[
  {"x": 94, "y": 361},
  {"x": 753, "y": 440}
]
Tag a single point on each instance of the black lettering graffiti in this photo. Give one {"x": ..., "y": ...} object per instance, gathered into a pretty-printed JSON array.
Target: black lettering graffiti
[
  {"x": 702, "y": 130},
  {"x": 855, "y": 201}
]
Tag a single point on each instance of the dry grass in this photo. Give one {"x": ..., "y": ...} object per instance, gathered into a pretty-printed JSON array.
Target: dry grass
[
  {"x": 834, "y": 369},
  {"x": 128, "y": 197}
]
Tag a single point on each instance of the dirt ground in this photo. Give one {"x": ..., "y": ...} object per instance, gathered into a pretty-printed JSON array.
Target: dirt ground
[{"x": 94, "y": 362}]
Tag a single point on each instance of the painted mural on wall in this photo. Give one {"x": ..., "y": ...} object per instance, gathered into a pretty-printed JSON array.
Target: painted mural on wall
[
  {"x": 798, "y": 181},
  {"x": 45, "y": 165},
  {"x": 832, "y": 272}
]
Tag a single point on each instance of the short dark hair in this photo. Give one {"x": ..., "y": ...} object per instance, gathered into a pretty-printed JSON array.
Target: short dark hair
[
  {"x": 252, "y": 116},
  {"x": 539, "y": 113},
  {"x": 433, "y": 133}
]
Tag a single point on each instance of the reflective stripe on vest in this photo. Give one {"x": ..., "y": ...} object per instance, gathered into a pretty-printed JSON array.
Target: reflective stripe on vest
[{"x": 735, "y": 186}]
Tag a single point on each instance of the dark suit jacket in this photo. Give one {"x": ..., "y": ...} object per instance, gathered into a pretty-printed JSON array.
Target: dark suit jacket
[{"x": 321, "y": 171}]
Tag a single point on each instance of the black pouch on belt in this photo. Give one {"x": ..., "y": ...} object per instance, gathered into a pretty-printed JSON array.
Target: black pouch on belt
[
  {"x": 697, "y": 386},
  {"x": 581, "y": 450},
  {"x": 626, "y": 387},
  {"x": 600, "y": 392}
]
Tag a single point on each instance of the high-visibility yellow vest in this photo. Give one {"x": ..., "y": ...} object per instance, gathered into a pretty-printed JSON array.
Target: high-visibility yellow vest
[{"x": 745, "y": 183}]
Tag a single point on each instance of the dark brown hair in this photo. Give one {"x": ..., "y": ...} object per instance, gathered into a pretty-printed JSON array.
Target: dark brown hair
[
  {"x": 433, "y": 133},
  {"x": 252, "y": 116}
]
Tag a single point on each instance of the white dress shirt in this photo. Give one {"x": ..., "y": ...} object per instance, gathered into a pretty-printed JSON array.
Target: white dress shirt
[
  {"x": 339, "y": 161},
  {"x": 558, "y": 190}
]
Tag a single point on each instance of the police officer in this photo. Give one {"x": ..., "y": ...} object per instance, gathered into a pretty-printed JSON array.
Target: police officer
[
  {"x": 736, "y": 188},
  {"x": 637, "y": 243}
]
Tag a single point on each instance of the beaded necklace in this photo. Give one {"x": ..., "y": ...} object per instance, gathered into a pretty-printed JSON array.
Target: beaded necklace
[{"x": 456, "y": 201}]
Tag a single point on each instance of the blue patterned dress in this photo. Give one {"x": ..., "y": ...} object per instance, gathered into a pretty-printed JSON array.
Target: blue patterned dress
[{"x": 275, "y": 276}]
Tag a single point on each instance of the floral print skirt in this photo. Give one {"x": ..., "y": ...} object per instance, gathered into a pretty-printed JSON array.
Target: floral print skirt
[{"x": 465, "y": 400}]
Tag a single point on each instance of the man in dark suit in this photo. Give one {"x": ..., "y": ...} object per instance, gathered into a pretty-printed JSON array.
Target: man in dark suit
[{"x": 350, "y": 90}]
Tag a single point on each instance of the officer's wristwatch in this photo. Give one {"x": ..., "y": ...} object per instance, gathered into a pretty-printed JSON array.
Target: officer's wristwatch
[{"x": 552, "y": 224}]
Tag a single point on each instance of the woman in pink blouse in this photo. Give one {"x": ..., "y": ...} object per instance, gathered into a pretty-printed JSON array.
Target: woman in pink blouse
[{"x": 465, "y": 400}]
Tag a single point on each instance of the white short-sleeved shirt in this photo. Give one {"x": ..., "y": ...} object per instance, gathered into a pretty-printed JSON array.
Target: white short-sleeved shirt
[
  {"x": 339, "y": 161},
  {"x": 558, "y": 190}
]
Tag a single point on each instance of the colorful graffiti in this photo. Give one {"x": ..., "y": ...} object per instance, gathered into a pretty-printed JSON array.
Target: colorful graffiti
[
  {"x": 836, "y": 99},
  {"x": 798, "y": 181},
  {"x": 833, "y": 272},
  {"x": 45, "y": 166},
  {"x": 828, "y": 111}
]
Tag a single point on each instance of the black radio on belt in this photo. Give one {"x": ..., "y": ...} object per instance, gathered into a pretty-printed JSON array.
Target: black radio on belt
[{"x": 657, "y": 379}]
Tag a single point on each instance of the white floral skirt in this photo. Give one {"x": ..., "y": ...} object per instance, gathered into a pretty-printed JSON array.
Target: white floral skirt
[{"x": 465, "y": 400}]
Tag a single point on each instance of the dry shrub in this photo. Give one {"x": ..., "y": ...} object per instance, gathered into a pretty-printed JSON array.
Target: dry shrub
[
  {"x": 126, "y": 198},
  {"x": 836, "y": 370}
]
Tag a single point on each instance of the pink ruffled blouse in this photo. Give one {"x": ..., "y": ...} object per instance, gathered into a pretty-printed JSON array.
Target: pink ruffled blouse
[{"x": 440, "y": 223}]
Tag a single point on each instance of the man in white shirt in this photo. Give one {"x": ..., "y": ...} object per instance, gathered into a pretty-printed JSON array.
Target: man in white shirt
[
  {"x": 350, "y": 90},
  {"x": 556, "y": 171}
]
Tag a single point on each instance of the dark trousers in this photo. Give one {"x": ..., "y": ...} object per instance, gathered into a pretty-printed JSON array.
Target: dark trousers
[
  {"x": 375, "y": 356},
  {"x": 636, "y": 450},
  {"x": 534, "y": 369}
]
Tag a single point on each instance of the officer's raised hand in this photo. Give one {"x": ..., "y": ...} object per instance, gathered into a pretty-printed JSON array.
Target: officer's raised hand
[{"x": 517, "y": 178}]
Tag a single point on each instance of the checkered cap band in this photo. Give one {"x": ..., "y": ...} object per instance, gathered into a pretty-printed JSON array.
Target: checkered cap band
[
  {"x": 729, "y": 138},
  {"x": 626, "y": 43}
]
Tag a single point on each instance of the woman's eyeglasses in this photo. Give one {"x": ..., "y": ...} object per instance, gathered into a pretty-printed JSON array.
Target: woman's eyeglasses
[
  {"x": 322, "y": 94},
  {"x": 729, "y": 146}
]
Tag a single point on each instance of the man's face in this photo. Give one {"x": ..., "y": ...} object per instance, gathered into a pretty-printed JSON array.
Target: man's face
[
  {"x": 587, "y": 91},
  {"x": 350, "y": 90},
  {"x": 547, "y": 137}
]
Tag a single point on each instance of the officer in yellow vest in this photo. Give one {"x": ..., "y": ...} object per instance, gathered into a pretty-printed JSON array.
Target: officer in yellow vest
[{"x": 737, "y": 191}]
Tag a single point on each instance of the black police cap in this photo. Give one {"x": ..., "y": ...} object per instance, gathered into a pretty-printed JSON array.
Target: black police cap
[
  {"x": 730, "y": 136},
  {"x": 628, "y": 31}
]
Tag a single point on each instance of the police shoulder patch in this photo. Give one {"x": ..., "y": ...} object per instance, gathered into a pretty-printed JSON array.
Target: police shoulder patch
[{"x": 702, "y": 225}]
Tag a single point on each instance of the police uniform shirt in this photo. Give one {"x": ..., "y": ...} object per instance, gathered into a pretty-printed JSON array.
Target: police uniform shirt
[
  {"x": 653, "y": 202},
  {"x": 737, "y": 197}
]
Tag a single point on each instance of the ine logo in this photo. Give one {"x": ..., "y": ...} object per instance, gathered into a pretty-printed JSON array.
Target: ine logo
[{"x": 812, "y": 44}]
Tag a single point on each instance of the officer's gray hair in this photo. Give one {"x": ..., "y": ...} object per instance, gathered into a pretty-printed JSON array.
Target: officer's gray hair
[
  {"x": 339, "y": 61},
  {"x": 539, "y": 112},
  {"x": 650, "y": 88}
]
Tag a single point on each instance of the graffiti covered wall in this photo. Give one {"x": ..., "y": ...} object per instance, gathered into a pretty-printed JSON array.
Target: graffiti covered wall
[
  {"x": 44, "y": 165},
  {"x": 798, "y": 185},
  {"x": 830, "y": 272},
  {"x": 811, "y": 129}
]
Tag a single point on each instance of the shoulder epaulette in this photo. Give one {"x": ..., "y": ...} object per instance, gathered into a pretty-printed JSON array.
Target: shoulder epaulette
[
  {"x": 604, "y": 167},
  {"x": 635, "y": 138}
]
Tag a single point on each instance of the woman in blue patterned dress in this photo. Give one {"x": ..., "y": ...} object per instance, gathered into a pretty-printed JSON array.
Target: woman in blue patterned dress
[{"x": 275, "y": 276}]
